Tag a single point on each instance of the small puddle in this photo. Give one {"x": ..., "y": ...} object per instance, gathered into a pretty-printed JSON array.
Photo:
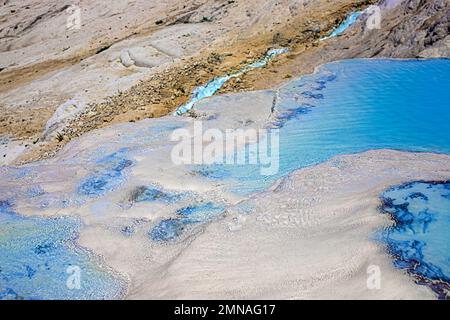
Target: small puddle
[
  {"x": 108, "y": 177},
  {"x": 155, "y": 194},
  {"x": 170, "y": 229}
]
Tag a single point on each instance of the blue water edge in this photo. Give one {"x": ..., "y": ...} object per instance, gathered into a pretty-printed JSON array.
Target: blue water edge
[
  {"x": 350, "y": 107},
  {"x": 39, "y": 259},
  {"x": 420, "y": 239}
]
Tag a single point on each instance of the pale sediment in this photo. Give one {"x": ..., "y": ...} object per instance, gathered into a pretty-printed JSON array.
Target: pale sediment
[
  {"x": 306, "y": 237},
  {"x": 309, "y": 237}
]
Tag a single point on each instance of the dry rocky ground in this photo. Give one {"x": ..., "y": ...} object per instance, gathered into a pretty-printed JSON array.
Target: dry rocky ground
[{"x": 134, "y": 59}]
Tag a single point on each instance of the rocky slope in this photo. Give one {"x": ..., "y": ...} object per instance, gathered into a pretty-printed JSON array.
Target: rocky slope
[{"x": 407, "y": 29}]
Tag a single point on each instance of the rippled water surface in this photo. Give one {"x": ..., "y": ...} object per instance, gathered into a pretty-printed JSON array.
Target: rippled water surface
[{"x": 354, "y": 106}]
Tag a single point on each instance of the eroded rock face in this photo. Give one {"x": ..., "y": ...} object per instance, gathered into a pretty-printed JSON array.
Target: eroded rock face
[
  {"x": 427, "y": 29},
  {"x": 406, "y": 29}
]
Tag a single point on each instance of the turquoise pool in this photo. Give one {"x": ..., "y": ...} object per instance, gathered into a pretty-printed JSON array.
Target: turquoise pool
[{"x": 354, "y": 106}]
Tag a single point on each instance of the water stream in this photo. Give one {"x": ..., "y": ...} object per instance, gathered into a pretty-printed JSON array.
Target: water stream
[
  {"x": 348, "y": 22},
  {"x": 210, "y": 88}
]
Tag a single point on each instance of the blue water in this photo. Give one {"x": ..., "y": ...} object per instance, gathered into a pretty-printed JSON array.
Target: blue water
[
  {"x": 50, "y": 250},
  {"x": 210, "y": 88},
  {"x": 188, "y": 216},
  {"x": 420, "y": 241},
  {"x": 170, "y": 229},
  {"x": 348, "y": 21},
  {"x": 354, "y": 106},
  {"x": 108, "y": 175},
  {"x": 155, "y": 193}
]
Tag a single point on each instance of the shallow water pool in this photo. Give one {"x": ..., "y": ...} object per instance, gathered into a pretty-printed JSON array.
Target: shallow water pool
[
  {"x": 39, "y": 259},
  {"x": 354, "y": 106}
]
